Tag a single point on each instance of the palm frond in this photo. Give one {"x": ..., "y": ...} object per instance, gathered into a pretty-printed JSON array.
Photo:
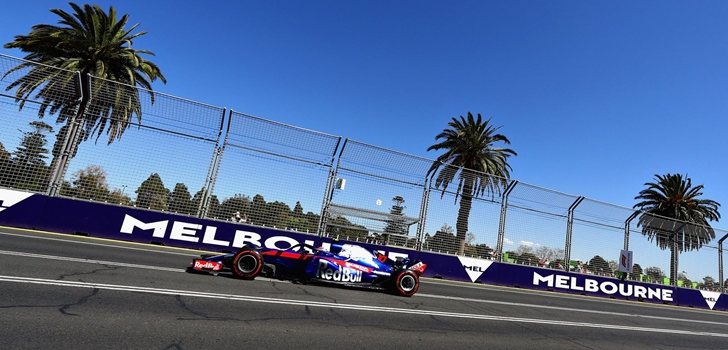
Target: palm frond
[{"x": 96, "y": 43}]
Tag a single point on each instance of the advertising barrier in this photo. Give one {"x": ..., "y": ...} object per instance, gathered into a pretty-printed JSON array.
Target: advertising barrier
[{"x": 40, "y": 212}]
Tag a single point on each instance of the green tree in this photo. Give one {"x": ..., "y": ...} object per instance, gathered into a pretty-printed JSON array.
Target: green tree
[
  {"x": 4, "y": 155},
  {"x": 313, "y": 220},
  {"x": 709, "y": 283},
  {"x": 5, "y": 167},
  {"x": 527, "y": 259},
  {"x": 482, "y": 251},
  {"x": 279, "y": 213},
  {"x": 675, "y": 217},
  {"x": 396, "y": 225},
  {"x": 636, "y": 272},
  {"x": 118, "y": 196},
  {"x": 297, "y": 223},
  {"x": 180, "y": 201},
  {"x": 90, "y": 183},
  {"x": 238, "y": 203},
  {"x": 655, "y": 273},
  {"x": 152, "y": 194},
  {"x": 213, "y": 210},
  {"x": 341, "y": 228},
  {"x": 298, "y": 210},
  {"x": 259, "y": 211},
  {"x": 473, "y": 160},
  {"x": 443, "y": 241},
  {"x": 29, "y": 170},
  {"x": 94, "y": 43},
  {"x": 599, "y": 266}
]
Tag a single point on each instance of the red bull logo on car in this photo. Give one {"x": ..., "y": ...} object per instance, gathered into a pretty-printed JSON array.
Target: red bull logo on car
[{"x": 339, "y": 274}]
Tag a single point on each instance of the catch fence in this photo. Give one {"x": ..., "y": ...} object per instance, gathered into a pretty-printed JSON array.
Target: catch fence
[{"x": 128, "y": 146}]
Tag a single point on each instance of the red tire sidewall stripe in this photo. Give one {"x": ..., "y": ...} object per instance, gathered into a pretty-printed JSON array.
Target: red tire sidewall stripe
[
  {"x": 253, "y": 253},
  {"x": 399, "y": 288}
]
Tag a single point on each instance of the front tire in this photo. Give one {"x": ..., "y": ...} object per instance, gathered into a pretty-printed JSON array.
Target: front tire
[
  {"x": 406, "y": 283},
  {"x": 247, "y": 264}
]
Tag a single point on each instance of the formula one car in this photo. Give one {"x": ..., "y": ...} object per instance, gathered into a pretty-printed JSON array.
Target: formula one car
[{"x": 344, "y": 264}]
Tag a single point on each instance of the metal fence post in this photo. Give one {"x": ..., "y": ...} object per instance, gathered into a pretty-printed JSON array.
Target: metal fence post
[
  {"x": 423, "y": 214},
  {"x": 569, "y": 232},
  {"x": 502, "y": 220},
  {"x": 214, "y": 168},
  {"x": 720, "y": 263},
  {"x": 626, "y": 229},
  {"x": 330, "y": 186},
  {"x": 70, "y": 139}
]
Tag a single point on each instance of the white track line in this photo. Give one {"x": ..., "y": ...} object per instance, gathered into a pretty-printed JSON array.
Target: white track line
[
  {"x": 422, "y": 295},
  {"x": 191, "y": 253},
  {"x": 89, "y": 261},
  {"x": 354, "y": 307},
  {"x": 567, "y": 309}
]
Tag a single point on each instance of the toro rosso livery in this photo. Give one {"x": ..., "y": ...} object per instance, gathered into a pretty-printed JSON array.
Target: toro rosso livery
[{"x": 345, "y": 264}]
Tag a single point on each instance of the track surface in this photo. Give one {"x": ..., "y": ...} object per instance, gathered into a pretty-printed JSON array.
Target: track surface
[{"x": 72, "y": 292}]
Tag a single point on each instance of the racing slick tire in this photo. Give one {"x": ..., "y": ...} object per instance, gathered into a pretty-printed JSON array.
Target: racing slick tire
[
  {"x": 406, "y": 283},
  {"x": 247, "y": 264}
]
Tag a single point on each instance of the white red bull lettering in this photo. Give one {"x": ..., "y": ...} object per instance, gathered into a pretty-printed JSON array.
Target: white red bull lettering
[
  {"x": 338, "y": 274},
  {"x": 204, "y": 265}
]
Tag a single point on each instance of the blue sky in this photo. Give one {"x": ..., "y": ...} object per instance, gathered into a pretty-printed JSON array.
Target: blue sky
[{"x": 596, "y": 96}]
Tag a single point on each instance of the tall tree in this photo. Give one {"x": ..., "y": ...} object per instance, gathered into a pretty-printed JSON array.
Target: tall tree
[
  {"x": 180, "y": 201},
  {"x": 4, "y": 154},
  {"x": 675, "y": 217},
  {"x": 298, "y": 210},
  {"x": 636, "y": 272},
  {"x": 29, "y": 169},
  {"x": 395, "y": 224},
  {"x": 599, "y": 266},
  {"x": 473, "y": 160},
  {"x": 94, "y": 43},
  {"x": 259, "y": 211},
  {"x": 152, "y": 194},
  {"x": 5, "y": 167}
]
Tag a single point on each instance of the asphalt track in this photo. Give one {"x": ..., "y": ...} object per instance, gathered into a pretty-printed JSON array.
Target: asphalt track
[{"x": 67, "y": 292}]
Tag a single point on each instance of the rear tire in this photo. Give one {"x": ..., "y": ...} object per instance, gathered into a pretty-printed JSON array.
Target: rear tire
[
  {"x": 247, "y": 264},
  {"x": 406, "y": 283}
]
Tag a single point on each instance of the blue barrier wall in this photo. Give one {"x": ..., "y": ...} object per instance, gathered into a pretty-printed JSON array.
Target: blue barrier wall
[{"x": 34, "y": 211}]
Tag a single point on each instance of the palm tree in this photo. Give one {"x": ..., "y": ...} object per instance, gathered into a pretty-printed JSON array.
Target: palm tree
[
  {"x": 94, "y": 43},
  {"x": 675, "y": 217},
  {"x": 472, "y": 160}
]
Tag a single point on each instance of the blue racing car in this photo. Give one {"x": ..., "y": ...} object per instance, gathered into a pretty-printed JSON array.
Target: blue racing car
[{"x": 343, "y": 264}]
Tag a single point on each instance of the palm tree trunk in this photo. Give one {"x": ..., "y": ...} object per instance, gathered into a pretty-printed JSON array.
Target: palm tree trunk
[
  {"x": 461, "y": 227},
  {"x": 68, "y": 139},
  {"x": 674, "y": 251}
]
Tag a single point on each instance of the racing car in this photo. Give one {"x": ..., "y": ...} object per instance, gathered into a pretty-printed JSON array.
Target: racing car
[{"x": 343, "y": 264}]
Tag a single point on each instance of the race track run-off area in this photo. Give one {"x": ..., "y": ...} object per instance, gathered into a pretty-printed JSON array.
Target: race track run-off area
[{"x": 62, "y": 291}]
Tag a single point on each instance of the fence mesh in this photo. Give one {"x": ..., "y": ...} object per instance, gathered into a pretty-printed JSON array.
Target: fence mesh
[
  {"x": 155, "y": 151},
  {"x": 35, "y": 101},
  {"x": 272, "y": 174},
  {"x": 535, "y": 226},
  {"x": 154, "y": 154},
  {"x": 379, "y": 195},
  {"x": 598, "y": 237},
  {"x": 451, "y": 227}
]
